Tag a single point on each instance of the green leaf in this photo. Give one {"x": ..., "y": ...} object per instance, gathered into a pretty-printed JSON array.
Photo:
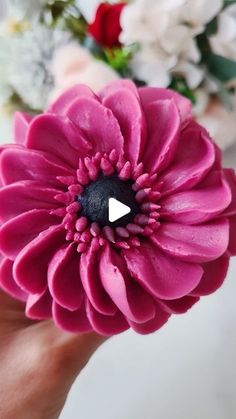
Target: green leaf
[
  {"x": 212, "y": 27},
  {"x": 229, "y": 2},
  {"x": 222, "y": 68},
  {"x": 180, "y": 86}
]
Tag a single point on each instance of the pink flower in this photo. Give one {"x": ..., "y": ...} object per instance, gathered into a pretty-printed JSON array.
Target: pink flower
[{"x": 63, "y": 256}]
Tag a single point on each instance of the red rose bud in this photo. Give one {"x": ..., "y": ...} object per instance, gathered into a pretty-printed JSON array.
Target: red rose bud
[{"x": 106, "y": 27}]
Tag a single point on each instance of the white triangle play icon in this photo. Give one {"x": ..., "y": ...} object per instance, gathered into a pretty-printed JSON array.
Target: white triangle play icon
[{"x": 117, "y": 210}]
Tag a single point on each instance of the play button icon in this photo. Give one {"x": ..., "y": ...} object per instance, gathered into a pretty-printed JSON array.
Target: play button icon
[{"x": 117, "y": 210}]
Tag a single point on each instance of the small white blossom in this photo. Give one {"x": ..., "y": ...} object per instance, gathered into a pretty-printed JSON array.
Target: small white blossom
[
  {"x": 21, "y": 9},
  {"x": 224, "y": 41},
  {"x": 30, "y": 72}
]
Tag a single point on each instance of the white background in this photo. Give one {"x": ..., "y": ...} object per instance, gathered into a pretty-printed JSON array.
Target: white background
[{"x": 185, "y": 371}]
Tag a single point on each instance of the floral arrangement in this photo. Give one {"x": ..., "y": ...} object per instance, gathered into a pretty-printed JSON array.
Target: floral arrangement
[{"x": 46, "y": 46}]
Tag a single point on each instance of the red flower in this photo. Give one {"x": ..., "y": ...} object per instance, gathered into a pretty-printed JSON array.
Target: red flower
[{"x": 106, "y": 27}]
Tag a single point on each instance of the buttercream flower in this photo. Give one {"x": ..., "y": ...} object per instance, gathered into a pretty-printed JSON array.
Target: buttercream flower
[
  {"x": 106, "y": 28},
  {"x": 62, "y": 254},
  {"x": 224, "y": 41},
  {"x": 74, "y": 64}
]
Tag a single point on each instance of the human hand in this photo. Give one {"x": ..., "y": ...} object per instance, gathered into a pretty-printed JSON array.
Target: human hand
[{"x": 38, "y": 363}]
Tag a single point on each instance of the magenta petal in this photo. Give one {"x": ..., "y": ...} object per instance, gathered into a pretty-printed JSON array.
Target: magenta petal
[
  {"x": 189, "y": 167},
  {"x": 201, "y": 243},
  {"x": 232, "y": 236},
  {"x": 198, "y": 205},
  {"x": 61, "y": 105},
  {"x": 116, "y": 85},
  {"x": 28, "y": 195},
  {"x": 58, "y": 136},
  {"x": 106, "y": 325},
  {"x": 64, "y": 278},
  {"x": 213, "y": 277},
  {"x": 231, "y": 179},
  {"x": 39, "y": 306},
  {"x": 7, "y": 282},
  {"x": 23, "y": 164},
  {"x": 179, "y": 306},
  {"x": 163, "y": 276},
  {"x": 31, "y": 265},
  {"x": 92, "y": 284},
  {"x": 71, "y": 321},
  {"x": 98, "y": 124},
  {"x": 149, "y": 95},
  {"x": 19, "y": 231},
  {"x": 20, "y": 125},
  {"x": 164, "y": 134},
  {"x": 161, "y": 317},
  {"x": 128, "y": 111},
  {"x": 128, "y": 296}
]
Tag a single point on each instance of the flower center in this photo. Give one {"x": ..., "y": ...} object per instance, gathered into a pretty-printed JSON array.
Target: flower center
[{"x": 95, "y": 200}]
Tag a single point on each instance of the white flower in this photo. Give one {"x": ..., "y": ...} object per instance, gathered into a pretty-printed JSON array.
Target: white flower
[
  {"x": 74, "y": 64},
  {"x": 20, "y": 9},
  {"x": 30, "y": 72},
  {"x": 224, "y": 41},
  {"x": 165, "y": 32},
  {"x": 5, "y": 60}
]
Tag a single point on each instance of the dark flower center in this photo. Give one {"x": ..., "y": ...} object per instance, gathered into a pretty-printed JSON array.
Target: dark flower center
[{"x": 95, "y": 200}]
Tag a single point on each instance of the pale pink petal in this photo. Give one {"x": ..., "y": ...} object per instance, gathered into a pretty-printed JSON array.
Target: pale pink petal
[
  {"x": 179, "y": 306},
  {"x": 127, "y": 109},
  {"x": 163, "y": 276},
  {"x": 23, "y": 164},
  {"x": 106, "y": 325},
  {"x": 61, "y": 105},
  {"x": 19, "y": 231},
  {"x": 71, "y": 321},
  {"x": 193, "y": 159},
  {"x": 198, "y": 205},
  {"x": 92, "y": 283},
  {"x": 58, "y": 136},
  {"x": 161, "y": 317},
  {"x": 28, "y": 195},
  {"x": 128, "y": 296},
  {"x": 201, "y": 243},
  {"x": 98, "y": 124},
  {"x": 7, "y": 282},
  {"x": 20, "y": 126},
  {"x": 39, "y": 306},
  {"x": 163, "y": 124},
  {"x": 149, "y": 95},
  {"x": 213, "y": 277},
  {"x": 31, "y": 265},
  {"x": 64, "y": 278}
]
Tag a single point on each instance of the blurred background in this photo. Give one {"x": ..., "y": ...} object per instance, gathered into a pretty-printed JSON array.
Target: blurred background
[{"x": 187, "y": 370}]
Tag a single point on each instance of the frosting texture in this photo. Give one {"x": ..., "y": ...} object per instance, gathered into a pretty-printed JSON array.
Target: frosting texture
[{"x": 88, "y": 275}]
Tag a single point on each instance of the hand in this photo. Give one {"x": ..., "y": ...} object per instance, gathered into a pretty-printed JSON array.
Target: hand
[{"x": 38, "y": 363}]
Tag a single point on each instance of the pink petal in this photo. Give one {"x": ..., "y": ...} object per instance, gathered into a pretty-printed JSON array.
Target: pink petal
[
  {"x": 98, "y": 124},
  {"x": 231, "y": 179},
  {"x": 198, "y": 205},
  {"x": 128, "y": 296},
  {"x": 213, "y": 277},
  {"x": 92, "y": 284},
  {"x": 179, "y": 306},
  {"x": 19, "y": 231},
  {"x": 199, "y": 244},
  {"x": 7, "y": 282},
  {"x": 61, "y": 105},
  {"x": 128, "y": 111},
  {"x": 59, "y": 137},
  {"x": 25, "y": 196},
  {"x": 149, "y": 95},
  {"x": 161, "y": 317},
  {"x": 194, "y": 157},
  {"x": 39, "y": 306},
  {"x": 116, "y": 85},
  {"x": 106, "y": 325},
  {"x": 64, "y": 278},
  {"x": 23, "y": 164},
  {"x": 31, "y": 265},
  {"x": 20, "y": 126},
  {"x": 71, "y": 321},
  {"x": 163, "y": 276},
  {"x": 232, "y": 236},
  {"x": 163, "y": 124}
]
